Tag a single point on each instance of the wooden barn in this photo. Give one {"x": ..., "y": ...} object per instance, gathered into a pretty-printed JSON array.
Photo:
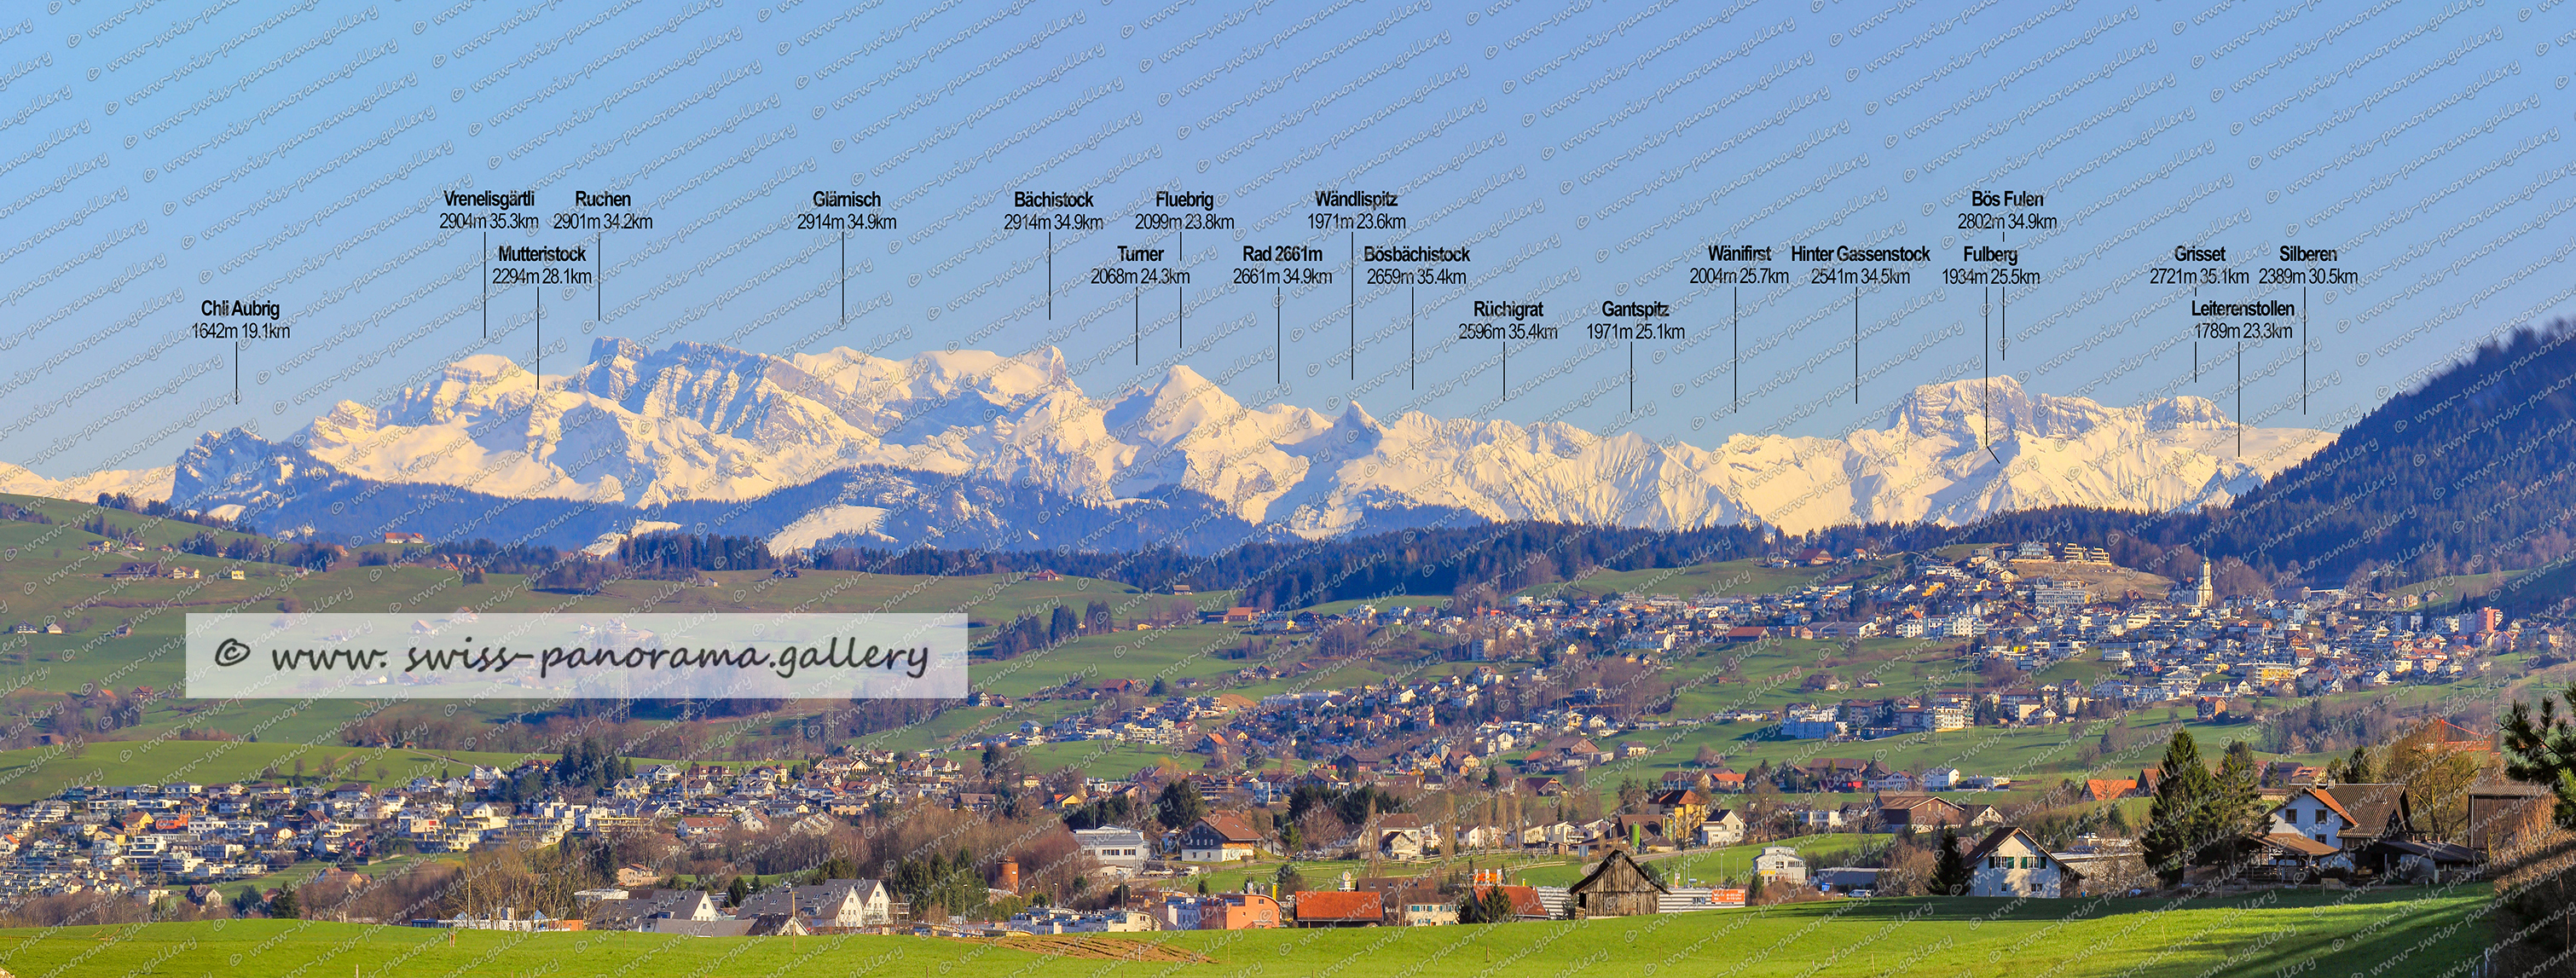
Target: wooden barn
[{"x": 1618, "y": 887}]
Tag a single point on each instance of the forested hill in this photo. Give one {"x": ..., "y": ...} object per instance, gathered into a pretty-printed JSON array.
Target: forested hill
[{"x": 2466, "y": 474}]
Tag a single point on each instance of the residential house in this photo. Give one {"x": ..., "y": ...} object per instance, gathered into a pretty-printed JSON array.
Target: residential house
[
  {"x": 829, "y": 904},
  {"x": 1238, "y": 911},
  {"x": 1403, "y": 835},
  {"x": 1908, "y": 814},
  {"x": 1724, "y": 827},
  {"x": 2349, "y": 817},
  {"x": 1219, "y": 837},
  {"x": 2010, "y": 862},
  {"x": 1681, "y": 810},
  {"x": 1780, "y": 864},
  {"x": 1113, "y": 847},
  {"x": 1430, "y": 914}
]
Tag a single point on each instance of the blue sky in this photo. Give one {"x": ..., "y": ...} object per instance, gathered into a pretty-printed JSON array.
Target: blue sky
[{"x": 160, "y": 157}]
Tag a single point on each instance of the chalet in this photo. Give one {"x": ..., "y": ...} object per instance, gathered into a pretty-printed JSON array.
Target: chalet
[
  {"x": 2011, "y": 863},
  {"x": 1908, "y": 814},
  {"x": 1219, "y": 837},
  {"x": 2349, "y": 817},
  {"x": 1618, "y": 887},
  {"x": 397, "y": 536},
  {"x": 1335, "y": 908}
]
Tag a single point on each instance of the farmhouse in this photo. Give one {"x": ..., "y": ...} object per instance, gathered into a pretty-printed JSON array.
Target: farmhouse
[
  {"x": 2349, "y": 817},
  {"x": 2012, "y": 863},
  {"x": 1219, "y": 837}
]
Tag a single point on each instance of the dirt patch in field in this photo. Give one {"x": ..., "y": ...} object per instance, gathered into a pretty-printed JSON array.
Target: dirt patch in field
[{"x": 1096, "y": 947}]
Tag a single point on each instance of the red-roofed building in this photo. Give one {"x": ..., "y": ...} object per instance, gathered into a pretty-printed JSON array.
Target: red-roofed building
[
  {"x": 1330, "y": 908},
  {"x": 2106, "y": 789},
  {"x": 1525, "y": 902}
]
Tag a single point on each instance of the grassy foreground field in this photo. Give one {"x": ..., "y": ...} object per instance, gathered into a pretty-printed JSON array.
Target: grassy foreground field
[{"x": 2406, "y": 932}]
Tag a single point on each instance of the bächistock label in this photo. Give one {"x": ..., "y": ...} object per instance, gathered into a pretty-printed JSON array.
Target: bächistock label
[{"x": 577, "y": 656}]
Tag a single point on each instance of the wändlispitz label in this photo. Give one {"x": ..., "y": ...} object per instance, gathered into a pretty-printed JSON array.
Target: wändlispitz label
[{"x": 464, "y": 655}]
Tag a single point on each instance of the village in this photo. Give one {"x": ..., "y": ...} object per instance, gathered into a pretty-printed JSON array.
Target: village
[{"x": 1473, "y": 779}]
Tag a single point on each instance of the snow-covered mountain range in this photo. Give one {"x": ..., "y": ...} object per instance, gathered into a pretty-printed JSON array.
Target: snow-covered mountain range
[{"x": 975, "y": 448}]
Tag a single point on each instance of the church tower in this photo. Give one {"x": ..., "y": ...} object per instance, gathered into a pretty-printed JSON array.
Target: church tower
[{"x": 2208, "y": 592}]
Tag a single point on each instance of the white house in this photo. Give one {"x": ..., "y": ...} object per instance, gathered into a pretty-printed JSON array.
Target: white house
[
  {"x": 1891, "y": 781},
  {"x": 1941, "y": 779},
  {"x": 2346, "y": 816},
  {"x": 2012, "y": 863},
  {"x": 1724, "y": 827},
  {"x": 1780, "y": 864},
  {"x": 1113, "y": 847},
  {"x": 832, "y": 903}
]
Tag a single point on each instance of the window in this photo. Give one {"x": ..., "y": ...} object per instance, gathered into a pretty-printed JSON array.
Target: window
[{"x": 2321, "y": 816}]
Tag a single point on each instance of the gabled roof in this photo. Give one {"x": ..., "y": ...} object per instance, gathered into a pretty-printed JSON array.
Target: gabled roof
[
  {"x": 1912, "y": 802},
  {"x": 1615, "y": 858},
  {"x": 2299, "y": 844},
  {"x": 2105, "y": 789},
  {"x": 2369, "y": 807},
  {"x": 1230, "y": 827},
  {"x": 1986, "y": 846},
  {"x": 1366, "y": 905},
  {"x": 1525, "y": 901}
]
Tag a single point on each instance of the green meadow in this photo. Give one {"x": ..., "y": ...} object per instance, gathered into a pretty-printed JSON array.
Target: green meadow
[{"x": 2392, "y": 933}]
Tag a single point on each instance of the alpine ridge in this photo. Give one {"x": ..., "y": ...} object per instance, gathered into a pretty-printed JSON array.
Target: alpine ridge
[{"x": 968, "y": 447}]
